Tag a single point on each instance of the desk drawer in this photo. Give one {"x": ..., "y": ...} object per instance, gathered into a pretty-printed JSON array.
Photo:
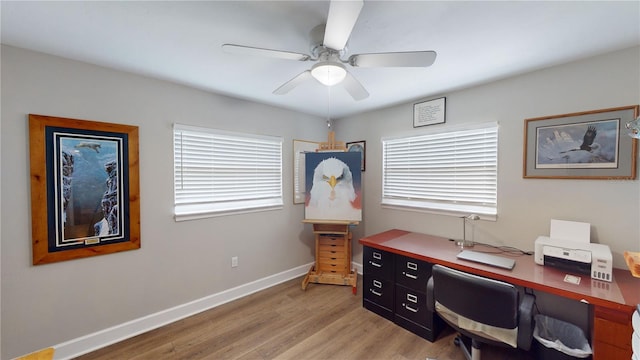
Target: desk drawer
[
  {"x": 411, "y": 304},
  {"x": 331, "y": 242},
  {"x": 333, "y": 265},
  {"x": 413, "y": 273},
  {"x": 378, "y": 290},
  {"x": 426, "y": 331},
  {"x": 332, "y": 251},
  {"x": 378, "y": 263},
  {"x": 605, "y": 351},
  {"x": 333, "y": 254},
  {"x": 380, "y": 310},
  {"x": 612, "y": 332},
  {"x": 411, "y": 313}
]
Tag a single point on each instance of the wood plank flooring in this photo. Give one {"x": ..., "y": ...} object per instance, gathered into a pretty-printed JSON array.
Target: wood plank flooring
[{"x": 284, "y": 322}]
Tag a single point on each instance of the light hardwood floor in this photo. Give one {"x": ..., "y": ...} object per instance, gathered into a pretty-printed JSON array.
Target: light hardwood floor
[{"x": 285, "y": 322}]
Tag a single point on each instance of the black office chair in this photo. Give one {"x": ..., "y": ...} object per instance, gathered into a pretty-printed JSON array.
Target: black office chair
[{"x": 485, "y": 310}]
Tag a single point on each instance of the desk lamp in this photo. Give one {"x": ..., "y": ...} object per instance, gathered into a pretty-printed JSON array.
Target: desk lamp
[{"x": 464, "y": 243}]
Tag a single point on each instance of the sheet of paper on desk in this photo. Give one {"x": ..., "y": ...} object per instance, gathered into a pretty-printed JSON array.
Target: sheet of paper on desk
[
  {"x": 572, "y": 279},
  {"x": 570, "y": 230}
]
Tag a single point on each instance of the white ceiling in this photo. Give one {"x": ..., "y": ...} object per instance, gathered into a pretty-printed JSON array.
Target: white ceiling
[{"x": 476, "y": 42}]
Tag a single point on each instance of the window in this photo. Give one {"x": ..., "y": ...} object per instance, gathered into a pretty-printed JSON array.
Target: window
[
  {"x": 447, "y": 172},
  {"x": 218, "y": 173}
]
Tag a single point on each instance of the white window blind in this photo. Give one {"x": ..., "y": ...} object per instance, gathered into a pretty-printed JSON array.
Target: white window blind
[
  {"x": 218, "y": 172},
  {"x": 454, "y": 171}
]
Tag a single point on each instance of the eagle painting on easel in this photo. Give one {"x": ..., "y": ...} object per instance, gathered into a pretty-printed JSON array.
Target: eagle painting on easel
[
  {"x": 335, "y": 190},
  {"x": 580, "y": 145}
]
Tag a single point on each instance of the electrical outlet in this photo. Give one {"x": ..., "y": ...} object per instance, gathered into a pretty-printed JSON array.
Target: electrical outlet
[{"x": 234, "y": 261}]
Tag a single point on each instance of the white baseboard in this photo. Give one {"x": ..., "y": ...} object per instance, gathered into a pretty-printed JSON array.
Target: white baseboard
[
  {"x": 100, "y": 339},
  {"x": 358, "y": 267}
]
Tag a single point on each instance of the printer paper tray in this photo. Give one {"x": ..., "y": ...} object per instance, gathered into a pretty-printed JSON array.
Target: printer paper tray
[{"x": 568, "y": 265}]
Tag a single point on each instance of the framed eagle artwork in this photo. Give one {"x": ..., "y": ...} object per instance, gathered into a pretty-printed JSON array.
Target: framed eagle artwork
[
  {"x": 333, "y": 186},
  {"x": 585, "y": 145}
]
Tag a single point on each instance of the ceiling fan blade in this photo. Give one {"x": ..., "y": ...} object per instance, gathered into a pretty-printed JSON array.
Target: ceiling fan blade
[
  {"x": 340, "y": 21},
  {"x": 248, "y": 50},
  {"x": 289, "y": 85},
  {"x": 394, "y": 59},
  {"x": 354, "y": 87}
]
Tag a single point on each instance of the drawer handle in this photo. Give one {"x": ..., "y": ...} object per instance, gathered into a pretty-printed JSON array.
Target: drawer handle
[
  {"x": 410, "y": 308},
  {"x": 375, "y": 264},
  {"x": 412, "y": 266},
  {"x": 412, "y": 298},
  {"x": 375, "y": 292},
  {"x": 377, "y": 284},
  {"x": 411, "y": 276},
  {"x": 377, "y": 256}
]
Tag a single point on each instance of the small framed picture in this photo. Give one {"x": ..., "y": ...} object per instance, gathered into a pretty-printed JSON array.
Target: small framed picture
[
  {"x": 358, "y": 146},
  {"x": 429, "y": 112},
  {"x": 301, "y": 147}
]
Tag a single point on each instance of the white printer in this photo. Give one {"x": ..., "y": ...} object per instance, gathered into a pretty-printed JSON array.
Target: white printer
[{"x": 567, "y": 249}]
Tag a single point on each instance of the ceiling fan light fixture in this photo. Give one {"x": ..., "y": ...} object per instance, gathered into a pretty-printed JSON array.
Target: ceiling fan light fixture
[{"x": 328, "y": 73}]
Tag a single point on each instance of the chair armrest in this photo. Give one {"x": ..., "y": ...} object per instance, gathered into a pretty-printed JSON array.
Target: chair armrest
[
  {"x": 431, "y": 303},
  {"x": 526, "y": 322}
]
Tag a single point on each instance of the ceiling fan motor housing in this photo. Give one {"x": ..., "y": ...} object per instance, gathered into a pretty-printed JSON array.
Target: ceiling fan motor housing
[{"x": 318, "y": 48}]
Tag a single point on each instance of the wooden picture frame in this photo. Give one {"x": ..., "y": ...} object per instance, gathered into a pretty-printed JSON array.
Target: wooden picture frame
[
  {"x": 361, "y": 147},
  {"x": 583, "y": 145},
  {"x": 430, "y": 112},
  {"x": 300, "y": 147},
  {"x": 85, "y": 193}
]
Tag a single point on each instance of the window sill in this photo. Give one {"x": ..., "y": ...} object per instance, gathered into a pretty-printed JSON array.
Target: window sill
[
  {"x": 211, "y": 213},
  {"x": 484, "y": 215}
]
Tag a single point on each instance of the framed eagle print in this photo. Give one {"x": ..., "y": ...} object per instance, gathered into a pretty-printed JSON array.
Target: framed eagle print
[
  {"x": 334, "y": 186},
  {"x": 85, "y": 196},
  {"x": 585, "y": 145}
]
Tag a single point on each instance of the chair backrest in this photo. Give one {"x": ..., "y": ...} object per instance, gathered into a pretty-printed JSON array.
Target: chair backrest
[{"x": 484, "y": 300}]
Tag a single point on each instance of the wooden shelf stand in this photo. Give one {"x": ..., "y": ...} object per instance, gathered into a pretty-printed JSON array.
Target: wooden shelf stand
[{"x": 333, "y": 255}]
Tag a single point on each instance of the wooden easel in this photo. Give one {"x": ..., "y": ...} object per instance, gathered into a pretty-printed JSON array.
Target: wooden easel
[
  {"x": 333, "y": 254},
  {"x": 333, "y": 242},
  {"x": 332, "y": 144}
]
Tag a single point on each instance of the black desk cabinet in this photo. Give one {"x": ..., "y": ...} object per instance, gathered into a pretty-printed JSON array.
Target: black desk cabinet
[
  {"x": 378, "y": 282},
  {"x": 395, "y": 288}
]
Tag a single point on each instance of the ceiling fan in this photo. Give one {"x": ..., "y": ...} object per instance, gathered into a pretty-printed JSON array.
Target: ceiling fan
[{"x": 327, "y": 49}]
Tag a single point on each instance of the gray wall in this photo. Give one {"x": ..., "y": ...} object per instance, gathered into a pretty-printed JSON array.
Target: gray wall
[{"x": 178, "y": 262}]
